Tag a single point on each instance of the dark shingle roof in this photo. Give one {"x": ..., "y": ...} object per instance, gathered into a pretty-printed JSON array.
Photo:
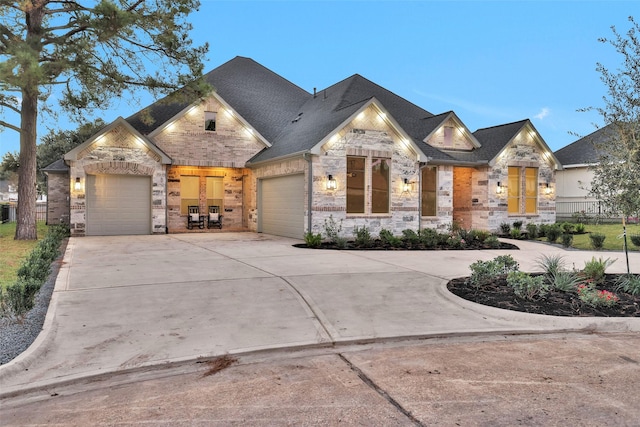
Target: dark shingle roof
[
  {"x": 494, "y": 139},
  {"x": 59, "y": 166},
  {"x": 294, "y": 121},
  {"x": 583, "y": 151},
  {"x": 325, "y": 112},
  {"x": 263, "y": 98}
]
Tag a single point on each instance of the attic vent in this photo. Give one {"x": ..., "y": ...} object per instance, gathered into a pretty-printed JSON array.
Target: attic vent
[
  {"x": 297, "y": 118},
  {"x": 358, "y": 131}
]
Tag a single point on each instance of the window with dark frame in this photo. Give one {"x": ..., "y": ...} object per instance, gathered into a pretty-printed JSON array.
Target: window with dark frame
[{"x": 210, "y": 121}]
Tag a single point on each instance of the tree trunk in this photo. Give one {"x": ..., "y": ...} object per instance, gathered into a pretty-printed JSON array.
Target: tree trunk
[
  {"x": 27, "y": 192},
  {"x": 29, "y": 67}
]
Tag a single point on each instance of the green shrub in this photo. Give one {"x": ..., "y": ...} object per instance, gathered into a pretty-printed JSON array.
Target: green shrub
[
  {"x": 565, "y": 281},
  {"x": 429, "y": 237},
  {"x": 526, "y": 286},
  {"x": 483, "y": 272},
  {"x": 542, "y": 230},
  {"x": 313, "y": 240},
  {"x": 567, "y": 227},
  {"x": 580, "y": 217},
  {"x": 362, "y": 237},
  {"x": 635, "y": 239},
  {"x": 517, "y": 225},
  {"x": 410, "y": 237},
  {"x": 629, "y": 283},
  {"x": 515, "y": 233},
  {"x": 20, "y": 296},
  {"x": 492, "y": 241},
  {"x": 580, "y": 228},
  {"x": 332, "y": 229},
  {"x": 552, "y": 233},
  {"x": 387, "y": 237},
  {"x": 595, "y": 269},
  {"x": 551, "y": 264},
  {"x": 597, "y": 240},
  {"x": 480, "y": 235},
  {"x": 455, "y": 241},
  {"x": 567, "y": 240},
  {"x": 505, "y": 228},
  {"x": 532, "y": 230}
]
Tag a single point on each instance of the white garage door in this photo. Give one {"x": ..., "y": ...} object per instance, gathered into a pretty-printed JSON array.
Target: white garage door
[
  {"x": 282, "y": 206},
  {"x": 118, "y": 205}
]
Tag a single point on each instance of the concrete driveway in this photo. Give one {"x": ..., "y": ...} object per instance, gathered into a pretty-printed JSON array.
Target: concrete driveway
[{"x": 124, "y": 303}]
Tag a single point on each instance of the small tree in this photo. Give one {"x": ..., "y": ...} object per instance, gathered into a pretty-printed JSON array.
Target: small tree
[
  {"x": 89, "y": 53},
  {"x": 616, "y": 181}
]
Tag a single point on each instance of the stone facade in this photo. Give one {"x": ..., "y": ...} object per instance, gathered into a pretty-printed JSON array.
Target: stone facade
[
  {"x": 369, "y": 136},
  {"x": 524, "y": 151},
  {"x": 118, "y": 151},
  {"x": 57, "y": 198}
]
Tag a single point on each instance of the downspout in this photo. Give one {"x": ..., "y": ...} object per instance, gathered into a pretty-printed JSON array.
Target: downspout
[
  {"x": 166, "y": 199},
  {"x": 308, "y": 158}
]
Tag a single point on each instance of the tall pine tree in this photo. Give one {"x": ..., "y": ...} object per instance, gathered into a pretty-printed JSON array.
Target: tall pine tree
[{"x": 88, "y": 53}]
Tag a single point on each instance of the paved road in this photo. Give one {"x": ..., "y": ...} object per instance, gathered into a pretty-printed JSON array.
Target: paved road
[{"x": 128, "y": 304}]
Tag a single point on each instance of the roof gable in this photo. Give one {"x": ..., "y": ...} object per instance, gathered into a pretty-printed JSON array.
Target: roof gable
[
  {"x": 74, "y": 153},
  {"x": 451, "y": 134}
]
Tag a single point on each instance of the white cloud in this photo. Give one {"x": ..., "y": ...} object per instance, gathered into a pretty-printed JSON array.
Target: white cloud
[{"x": 543, "y": 113}]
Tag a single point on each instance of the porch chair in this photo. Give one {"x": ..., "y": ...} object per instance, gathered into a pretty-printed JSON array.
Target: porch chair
[
  {"x": 194, "y": 217},
  {"x": 215, "y": 218}
]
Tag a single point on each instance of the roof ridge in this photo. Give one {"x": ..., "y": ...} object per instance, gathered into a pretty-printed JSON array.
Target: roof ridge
[{"x": 503, "y": 125}]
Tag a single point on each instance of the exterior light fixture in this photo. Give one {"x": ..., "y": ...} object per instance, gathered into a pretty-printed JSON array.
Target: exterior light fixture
[
  {"x": 499, "y": 189},
  {"x": 77, "y": 185},
  {"x": 547, "y": 190},
  {"x": 406, "y": 186},
  {"x": 331, "y": 183}
]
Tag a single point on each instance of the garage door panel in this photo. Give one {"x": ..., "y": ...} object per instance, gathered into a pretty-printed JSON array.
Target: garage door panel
[
  {"x": 118, "y": 204},
  {"x": 282, "y": 206}
]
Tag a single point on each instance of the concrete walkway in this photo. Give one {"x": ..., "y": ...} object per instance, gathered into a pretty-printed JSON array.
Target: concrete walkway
[{"x": 124, "y": 303}]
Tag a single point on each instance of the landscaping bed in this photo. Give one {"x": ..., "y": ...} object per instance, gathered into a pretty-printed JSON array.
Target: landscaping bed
[{"x": 555, "y": 303}]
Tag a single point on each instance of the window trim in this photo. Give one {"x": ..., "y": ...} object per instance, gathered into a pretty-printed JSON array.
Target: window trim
[{"x": 368, "y": 189}]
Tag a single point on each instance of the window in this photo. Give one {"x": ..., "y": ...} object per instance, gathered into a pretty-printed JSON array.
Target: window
[
  {"x": 429, "y": 193},
  {"x": 448, "y": 136},
  {"x": 210, "y": 120},
  {"x": 357, "y": 180},
  {"x": 531, "y": 190},
  {"x": 355, "y": 184},
  {"x": 522, "y": 195},
  {"x": 189, "y": 192},
  {"x": 215, "y": 192},
  {"x": 380, "y": 185}
]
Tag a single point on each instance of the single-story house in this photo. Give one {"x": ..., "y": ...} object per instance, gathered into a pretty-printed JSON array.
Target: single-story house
[
  {"x": 281, "y": 160},
  {"x": 573, "y": 182}
]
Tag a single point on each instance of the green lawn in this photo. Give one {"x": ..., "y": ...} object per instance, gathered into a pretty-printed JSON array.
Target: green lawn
[
  {"x": 14, "y": 251},
  {"x": 611, "y": 243}
]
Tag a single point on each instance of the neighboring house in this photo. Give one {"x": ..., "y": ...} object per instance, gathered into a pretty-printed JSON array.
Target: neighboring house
[
  {"x": 280, "y": 160},
  {"x": 573, "y": 182}
]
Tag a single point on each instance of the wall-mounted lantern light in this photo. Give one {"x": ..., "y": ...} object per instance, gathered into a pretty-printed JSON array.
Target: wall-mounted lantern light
[
  {"x": 77, "y": 186},
  {"x": 406, "y": 186},
  {"x": 499, "y": 188},
  {"x": 331, "y": 183},
  {"x": 547, "y": 190}
]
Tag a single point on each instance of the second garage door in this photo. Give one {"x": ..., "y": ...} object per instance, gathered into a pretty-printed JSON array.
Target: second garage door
[
  {"x": 118, "y": 205},
  {"x": 282, "y": 206}
]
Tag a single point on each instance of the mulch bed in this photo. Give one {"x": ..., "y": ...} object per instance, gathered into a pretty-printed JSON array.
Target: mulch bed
[
  {"x": 556, "y": 303},
  {"x": 382, "y": 246}
]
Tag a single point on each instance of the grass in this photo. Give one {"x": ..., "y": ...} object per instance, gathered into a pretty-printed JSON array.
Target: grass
[
  {"x": 14, "y": 251},
  {"x": 611, "y": 243}
]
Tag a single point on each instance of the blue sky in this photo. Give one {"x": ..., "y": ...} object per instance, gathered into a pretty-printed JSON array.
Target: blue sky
[{"x": 490, "y": 62}]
